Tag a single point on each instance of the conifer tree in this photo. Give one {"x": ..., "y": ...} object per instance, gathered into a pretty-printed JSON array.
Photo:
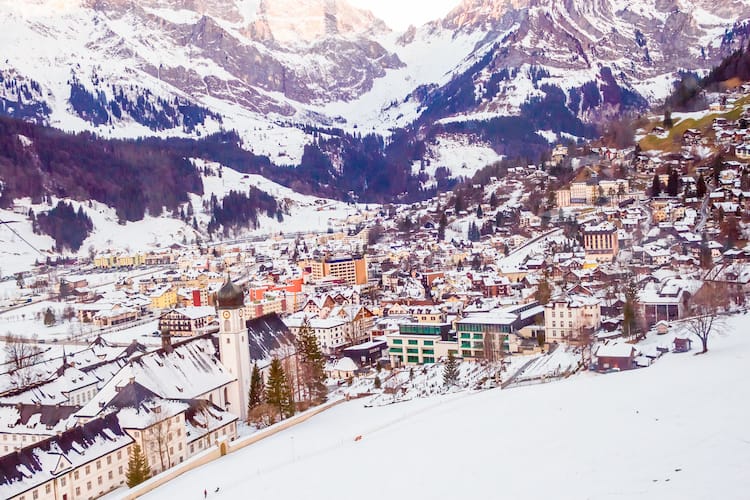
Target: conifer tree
[
  {"x": 312, "y": 363},
  {"x": 655, "y": 186},
  {"x": 630, "y": 309},
  {"x": 278, "y": 390},
  {"x": 450, "y": 371},
  {"x": 289, "y": 407},
  {"x": 441, "y": 227},
  {"x": 480, "y": 213},
  {"x": 493, "y": 200},
  {"x": 138, "y": 468},
  {"x": 543, "y": 291},
  {"x": 49, "y": 317},
  {"x": 673, "y": 183},
  {"x": 700, "y": 186},
  {"x": 255, "y": 397}
]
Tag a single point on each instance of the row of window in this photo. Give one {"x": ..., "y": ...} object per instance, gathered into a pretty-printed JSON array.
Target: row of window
[{"x": 413, "y": 342}]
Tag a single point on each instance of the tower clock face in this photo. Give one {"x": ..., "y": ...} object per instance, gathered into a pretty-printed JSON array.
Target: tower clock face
[{"x": 226, "y": 314}]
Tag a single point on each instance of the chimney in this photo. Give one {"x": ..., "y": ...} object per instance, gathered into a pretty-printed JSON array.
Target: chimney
[{"x": 166, "y": 341}]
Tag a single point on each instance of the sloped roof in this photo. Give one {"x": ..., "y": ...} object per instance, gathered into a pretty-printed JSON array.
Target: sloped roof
[
  {"x": 29, "y": 467},
  {"x": 266, "y": 335}
]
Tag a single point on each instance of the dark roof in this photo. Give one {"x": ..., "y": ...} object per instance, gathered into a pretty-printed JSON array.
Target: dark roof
[
  {"x": 49, "y": 414},
  {"x": 230, "y": 296},
  {"x": 69, "y": 441},
  {"x": 196, "y": 406},
  {"x": 131, "y": 396},
  {"x": 266, "y": 334}
]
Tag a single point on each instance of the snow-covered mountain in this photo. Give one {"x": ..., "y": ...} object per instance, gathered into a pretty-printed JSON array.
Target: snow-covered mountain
[
  {"x": 328, "y": 89},
  {"x": 249, "y": 63}
]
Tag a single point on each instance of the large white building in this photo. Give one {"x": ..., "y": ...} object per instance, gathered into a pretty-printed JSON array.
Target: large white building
[{"x": 566, "y": 316}]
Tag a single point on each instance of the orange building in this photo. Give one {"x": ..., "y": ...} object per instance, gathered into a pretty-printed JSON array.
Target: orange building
[{"x": 350, "y": 269}]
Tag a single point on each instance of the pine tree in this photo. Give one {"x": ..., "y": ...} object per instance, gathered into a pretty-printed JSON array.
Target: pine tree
[
  {"x": 655, "y": 186},
  {"x": 138, "y": 468},
  {"x": 480, "y": 213},
  {"x": 706, "y": 260},
  {"x": 450, "y": 371},
  {"x": 289, "y": 407},
  {"x": 49, "y": 317},
  {"x": 630, "y": 309},
  {"x": 700, "y": 186},
  {"x": 312, "y": 363},
  {"x": 543, "y": 291},
  {"x": 278, "y": 390},
  {"x": 668, "y": 122},
  {"x": 458, "y": 204},
  {"x": 493, "y": 200},
  {"x": 673, "y": 183},
  {"x": 255, "y": 397},
  {"x": 441, "y": 227}
]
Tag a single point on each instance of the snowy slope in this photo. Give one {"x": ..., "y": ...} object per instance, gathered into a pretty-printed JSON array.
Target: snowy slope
[
  {"x": 675, "y": 430},
  {"x": 302, "y": 214}
]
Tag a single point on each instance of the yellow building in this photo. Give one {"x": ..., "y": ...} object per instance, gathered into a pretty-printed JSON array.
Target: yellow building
[{"x": 163, "y": 298}]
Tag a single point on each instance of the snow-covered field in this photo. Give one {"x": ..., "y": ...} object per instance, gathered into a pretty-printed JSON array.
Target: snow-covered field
[{"x": 675, "y": 430}]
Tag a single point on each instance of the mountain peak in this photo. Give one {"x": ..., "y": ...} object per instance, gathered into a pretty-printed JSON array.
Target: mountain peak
[
  {"x": 475, "y": 13},
  {"x": 286, "y": 21}
]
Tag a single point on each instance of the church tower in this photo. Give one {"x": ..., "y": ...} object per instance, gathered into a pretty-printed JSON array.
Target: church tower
[{"x": 233, "y": 345}]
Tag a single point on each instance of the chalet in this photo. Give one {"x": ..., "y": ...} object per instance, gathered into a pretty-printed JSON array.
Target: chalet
[
  {"x": 186, "y": 321},
  {"x": 617, "y": 356}
]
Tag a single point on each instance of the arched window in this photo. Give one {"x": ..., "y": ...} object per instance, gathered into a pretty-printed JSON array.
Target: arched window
[{"x": 227, "y": 326}]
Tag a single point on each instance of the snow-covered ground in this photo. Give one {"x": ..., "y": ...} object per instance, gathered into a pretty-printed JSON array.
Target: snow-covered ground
[
  {"x": 303, "y": 214},
  {"x": 675, "y": 430}
]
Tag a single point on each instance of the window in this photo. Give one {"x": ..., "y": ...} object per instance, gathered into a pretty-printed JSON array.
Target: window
[
  {"x": 48, "y": 488},
  {"x": 397, "y": 341},
  {"x": 119, "y": 470},
  {"x": 75, "y": 475},
  {"x": 78, "y": 491},
  {"x": 88, "y": 469},
  {"x": 98, "y": 464},
  {"x": 110, "y": 475},
  {"x": 109, "y": 459},
  {"x": 429, "y": 342},
  {"x": 35, "y": 494},
  {"x": 99, "y": 480},
  {"x": 88, "y": 485},
  {"x": 413, "y": 342},
  {"x": 62, "y": 482}
]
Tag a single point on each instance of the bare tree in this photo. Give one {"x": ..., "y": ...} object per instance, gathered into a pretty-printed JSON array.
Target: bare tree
[
  {"x": 584, "y": 340},
  {"x": 705, "y": 309},
  {"x": 20, "y": 352},
  {"x": 492, "y": 352},
  {"x": 162, "y": 437}
]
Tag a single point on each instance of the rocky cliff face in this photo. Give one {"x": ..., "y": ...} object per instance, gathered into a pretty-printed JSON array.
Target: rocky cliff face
[{"x": 288, "y": 63}]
